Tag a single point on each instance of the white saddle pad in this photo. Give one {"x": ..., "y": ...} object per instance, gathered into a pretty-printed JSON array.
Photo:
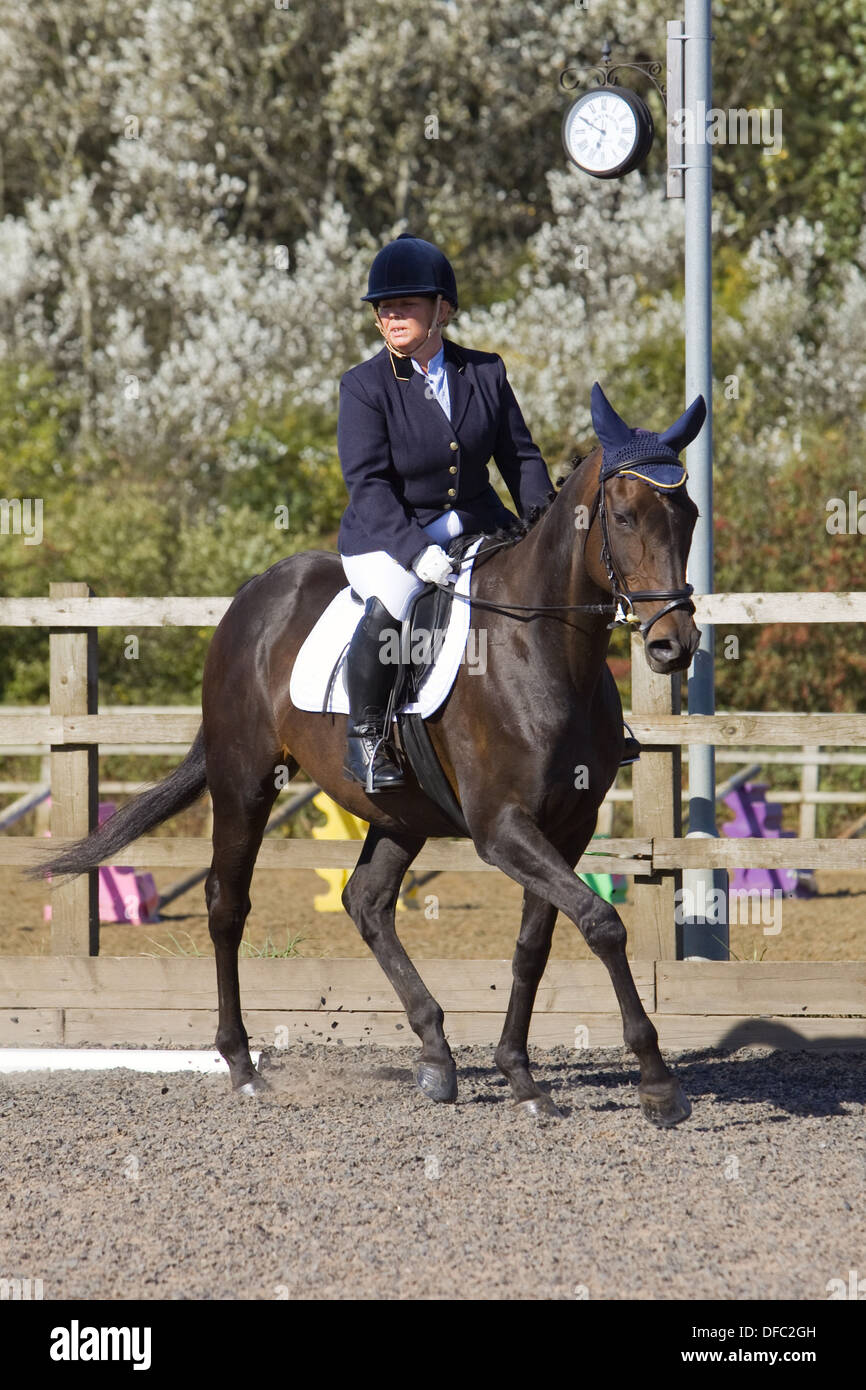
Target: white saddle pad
[{"x": 333, "y": 632}]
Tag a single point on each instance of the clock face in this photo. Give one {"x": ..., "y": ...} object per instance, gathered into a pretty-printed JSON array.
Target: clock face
[{"x": 607, "y": 132}]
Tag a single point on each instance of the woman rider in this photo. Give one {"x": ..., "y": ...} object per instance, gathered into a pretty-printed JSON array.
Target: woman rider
[{"x": 417, "y": 426}]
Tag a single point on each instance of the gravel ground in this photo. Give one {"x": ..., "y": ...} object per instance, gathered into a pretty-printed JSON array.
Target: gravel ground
[{"x": 347, "y": 1183}]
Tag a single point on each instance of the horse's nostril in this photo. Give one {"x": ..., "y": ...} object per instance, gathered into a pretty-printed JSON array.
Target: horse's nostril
[{"x": 664, "y": 651}]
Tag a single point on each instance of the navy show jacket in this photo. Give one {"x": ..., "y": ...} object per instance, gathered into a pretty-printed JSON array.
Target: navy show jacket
[{"x": 405, "y": 463}]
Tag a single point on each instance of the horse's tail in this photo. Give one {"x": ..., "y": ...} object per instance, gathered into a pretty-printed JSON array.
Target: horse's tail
[{"x": 174, "y": 793}]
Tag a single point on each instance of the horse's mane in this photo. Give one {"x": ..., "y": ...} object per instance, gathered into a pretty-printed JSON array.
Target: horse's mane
[{"x": 523, "y": 525}]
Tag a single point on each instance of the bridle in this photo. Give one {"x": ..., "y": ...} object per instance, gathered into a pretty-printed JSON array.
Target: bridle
[{"x": 624, "y": 598}]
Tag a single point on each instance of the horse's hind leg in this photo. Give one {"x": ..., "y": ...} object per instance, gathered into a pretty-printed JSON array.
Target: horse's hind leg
[
  {"x": 241, "y": 808},
  {"x": 370, "y": 898},
  {"x": 530, "y": 959}
]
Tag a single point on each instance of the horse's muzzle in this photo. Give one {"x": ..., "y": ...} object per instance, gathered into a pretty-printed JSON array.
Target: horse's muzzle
[{"x": 673, "y": 652}]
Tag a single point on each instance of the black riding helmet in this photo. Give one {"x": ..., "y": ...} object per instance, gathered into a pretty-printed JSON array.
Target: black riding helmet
[{"x": 410, "y": 266}]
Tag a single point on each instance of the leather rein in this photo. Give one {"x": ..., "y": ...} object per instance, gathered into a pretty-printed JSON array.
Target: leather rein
[{"x": 624, "y": 598}]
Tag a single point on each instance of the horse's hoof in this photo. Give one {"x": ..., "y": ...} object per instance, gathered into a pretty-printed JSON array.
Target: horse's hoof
[
  {"x": 254, "y": 1087},
  {"x": 437, "y": 1082},
  {"x": 539, "y": 1106},
  {"x": 664, "y": 1103}
]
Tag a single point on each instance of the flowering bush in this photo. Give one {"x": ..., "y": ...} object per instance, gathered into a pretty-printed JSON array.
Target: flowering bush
[{"x": 191, "y": 199}]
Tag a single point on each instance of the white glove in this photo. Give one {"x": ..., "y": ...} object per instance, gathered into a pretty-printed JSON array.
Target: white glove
[{"x": 433, "y": 566}]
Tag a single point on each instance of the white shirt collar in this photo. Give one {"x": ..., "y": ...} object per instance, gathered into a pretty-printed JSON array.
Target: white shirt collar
[{"x": 434, "y": 366}]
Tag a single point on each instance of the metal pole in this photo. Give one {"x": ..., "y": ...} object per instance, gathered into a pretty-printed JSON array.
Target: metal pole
[{"x": 705, "y": 924}]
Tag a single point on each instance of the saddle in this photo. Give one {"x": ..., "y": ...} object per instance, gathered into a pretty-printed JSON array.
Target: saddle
[{"x": 423, "y": 629}]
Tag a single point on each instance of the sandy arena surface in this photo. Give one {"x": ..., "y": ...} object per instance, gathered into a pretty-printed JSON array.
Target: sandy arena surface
[{"x": 345, "y": 1182}]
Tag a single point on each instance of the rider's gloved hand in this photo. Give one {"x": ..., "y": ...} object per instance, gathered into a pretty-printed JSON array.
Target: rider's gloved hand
[{"x": 432, "y": 566}]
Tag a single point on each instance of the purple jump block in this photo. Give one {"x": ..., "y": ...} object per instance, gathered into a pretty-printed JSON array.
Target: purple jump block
[{"x": 760, "y": 819}]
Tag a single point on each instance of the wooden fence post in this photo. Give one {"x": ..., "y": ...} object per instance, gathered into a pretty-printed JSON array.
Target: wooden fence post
[
  {"x": 657, "y": 803},
  {"x": 604, "y": 824},
  {"x": 73, "y": 658}
]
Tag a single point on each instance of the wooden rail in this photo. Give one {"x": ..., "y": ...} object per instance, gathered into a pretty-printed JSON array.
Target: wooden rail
[
  {"x": 108, "y": 1001},
  {"x": 672, "y": 730},
  {"x": 84, "y": 610},
  {"x": 640, "y": 857},
  {"x": 179, "y": 852}
]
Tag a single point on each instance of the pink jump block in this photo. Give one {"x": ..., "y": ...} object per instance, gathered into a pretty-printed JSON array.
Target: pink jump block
[{"x": 124, "y": 894}]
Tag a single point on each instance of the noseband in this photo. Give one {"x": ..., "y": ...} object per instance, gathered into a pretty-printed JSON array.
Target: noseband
[{"x": 625, "y": 598}]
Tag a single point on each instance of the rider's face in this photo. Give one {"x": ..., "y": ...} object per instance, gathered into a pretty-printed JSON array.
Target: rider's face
[{"x": 406, "y": 320}]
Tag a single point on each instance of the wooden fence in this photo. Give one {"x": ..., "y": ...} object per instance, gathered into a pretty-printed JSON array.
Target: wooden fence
[
  {"x": 808, "y": 796},
  {"x": 67, "y": 999},
  {"x": 81, "y": 1001}
]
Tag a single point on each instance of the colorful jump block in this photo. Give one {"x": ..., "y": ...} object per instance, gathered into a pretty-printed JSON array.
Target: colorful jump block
[
  {"x": 342, "y": 825},
  {"x": 124, "y": 894},
  {"x": 339, "y": 825},
  {"x": 612, "y": 887},
  {"x": 761, "y": 819},
  {"x": 127, "y": 896}
]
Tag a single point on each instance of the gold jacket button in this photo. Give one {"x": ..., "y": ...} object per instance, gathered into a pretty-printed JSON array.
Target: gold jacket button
[
  {"x": 453, "y": 468},
  {"x": 454, "y": 444},
  {"x": 452, "y": 492},
  {"x": 447, "y": 506}
]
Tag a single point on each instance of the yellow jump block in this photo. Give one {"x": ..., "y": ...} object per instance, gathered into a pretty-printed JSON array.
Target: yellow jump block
[{"x": 340, "y": 825}]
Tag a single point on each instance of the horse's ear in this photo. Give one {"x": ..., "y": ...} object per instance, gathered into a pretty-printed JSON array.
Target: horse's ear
[
  {"x": 611, "y": 429},
  {"x": 687, "y": 427}
]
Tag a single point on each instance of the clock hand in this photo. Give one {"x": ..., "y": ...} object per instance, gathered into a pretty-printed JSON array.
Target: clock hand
[{"x": 592, "y": 123}]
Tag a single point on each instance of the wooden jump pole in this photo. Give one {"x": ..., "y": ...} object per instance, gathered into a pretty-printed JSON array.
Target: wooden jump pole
[{"x": 28, "y": 802}]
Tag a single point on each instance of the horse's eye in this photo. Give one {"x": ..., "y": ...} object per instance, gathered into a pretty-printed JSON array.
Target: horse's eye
[{"x": 622, "y": 518}]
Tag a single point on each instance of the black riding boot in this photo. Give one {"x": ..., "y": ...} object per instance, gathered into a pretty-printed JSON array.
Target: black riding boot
[{"x": 369, "y": 682}]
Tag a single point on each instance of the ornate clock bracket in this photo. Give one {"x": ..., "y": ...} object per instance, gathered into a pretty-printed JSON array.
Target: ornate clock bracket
[{"x": 605, "y": 74}]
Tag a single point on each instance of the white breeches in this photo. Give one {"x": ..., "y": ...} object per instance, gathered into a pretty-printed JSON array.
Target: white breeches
[{"x": 376, "y": 575}]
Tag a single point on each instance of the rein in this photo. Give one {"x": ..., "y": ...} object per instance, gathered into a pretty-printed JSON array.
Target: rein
[{"x": 624, "y": 598}]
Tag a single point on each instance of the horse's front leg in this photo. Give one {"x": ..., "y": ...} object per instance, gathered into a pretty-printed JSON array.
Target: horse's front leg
[{"x": 516, "y": 845}]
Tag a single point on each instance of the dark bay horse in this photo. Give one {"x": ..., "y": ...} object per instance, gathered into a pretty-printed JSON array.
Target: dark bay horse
[{"x": 530, "y": 748}]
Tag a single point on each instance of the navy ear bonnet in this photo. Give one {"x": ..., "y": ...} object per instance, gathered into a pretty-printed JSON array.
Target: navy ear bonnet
[{"x": 642, "y": 453}]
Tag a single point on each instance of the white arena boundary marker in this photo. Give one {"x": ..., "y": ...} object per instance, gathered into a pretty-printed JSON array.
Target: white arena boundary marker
[{"x": 20, "y": 1059}]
